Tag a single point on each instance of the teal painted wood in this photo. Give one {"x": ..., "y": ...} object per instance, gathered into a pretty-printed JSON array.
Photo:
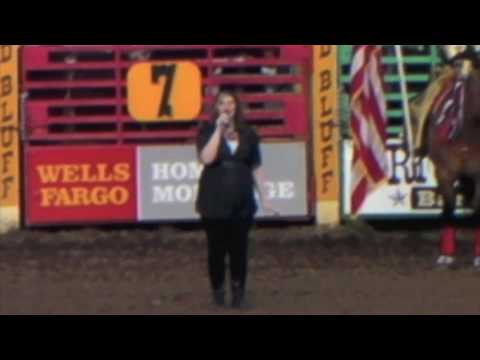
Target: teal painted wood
[{"x": 419, "y": 60}]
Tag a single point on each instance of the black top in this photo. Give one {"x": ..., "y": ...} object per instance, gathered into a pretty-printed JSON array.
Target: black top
[{"x": 226, "y": 189}]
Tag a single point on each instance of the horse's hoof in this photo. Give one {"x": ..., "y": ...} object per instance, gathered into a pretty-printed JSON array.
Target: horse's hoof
[
  {"x": 476, "y": 264},
  {"x": 445, "y": 263}
]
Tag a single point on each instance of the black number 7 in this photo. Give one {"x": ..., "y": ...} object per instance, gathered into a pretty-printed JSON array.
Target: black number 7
[{"x": 169, "y": 72}]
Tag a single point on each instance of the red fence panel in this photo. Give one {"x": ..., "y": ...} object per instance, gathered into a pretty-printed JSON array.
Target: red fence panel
[{"x": 77, "y": 94}]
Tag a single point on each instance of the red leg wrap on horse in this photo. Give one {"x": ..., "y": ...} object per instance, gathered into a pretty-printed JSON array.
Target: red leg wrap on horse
[
  {"x": 447, "y": 246},
  {"x": 477, "y": 243}
]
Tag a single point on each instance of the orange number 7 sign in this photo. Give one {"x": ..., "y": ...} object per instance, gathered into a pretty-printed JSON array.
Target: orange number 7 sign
[{"x": 164, "y": 91}]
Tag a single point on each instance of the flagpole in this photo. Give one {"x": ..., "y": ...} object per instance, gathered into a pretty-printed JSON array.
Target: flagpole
[{"x": 405, "y": 104}]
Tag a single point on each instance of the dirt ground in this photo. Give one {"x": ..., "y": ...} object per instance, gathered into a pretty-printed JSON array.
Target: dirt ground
[{"x": 293, "y": 270}]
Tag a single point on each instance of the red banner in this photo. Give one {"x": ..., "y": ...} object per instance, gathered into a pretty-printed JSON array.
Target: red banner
[{"x": 82, "y": 184}]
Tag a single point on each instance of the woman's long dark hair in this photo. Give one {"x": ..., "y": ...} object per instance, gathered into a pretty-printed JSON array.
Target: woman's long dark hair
[{"x": 238, "y": 119}]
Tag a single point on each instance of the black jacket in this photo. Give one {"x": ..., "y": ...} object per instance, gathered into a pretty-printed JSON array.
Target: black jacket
[{"x": 226, "y": 188}]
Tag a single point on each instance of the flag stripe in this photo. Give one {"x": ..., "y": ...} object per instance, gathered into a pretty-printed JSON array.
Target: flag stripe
[
  {"x": 379, "y": 116},
  {"x": 359, "y": 194},
  {"x": 368, "y": 124},
  {"x": 369, "y": 157},
  {"x": 369, "y": 138}
]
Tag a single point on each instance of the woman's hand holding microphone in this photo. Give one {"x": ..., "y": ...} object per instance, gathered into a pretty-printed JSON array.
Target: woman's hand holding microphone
[{"x": 223, "y": 121}]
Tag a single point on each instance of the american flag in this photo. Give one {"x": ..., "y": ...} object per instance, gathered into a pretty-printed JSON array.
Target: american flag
[{"x": 368, "y": 123}]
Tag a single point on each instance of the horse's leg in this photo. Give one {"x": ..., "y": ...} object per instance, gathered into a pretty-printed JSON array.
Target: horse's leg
[
  {"x": 476, "y": 221},
  {"x": 476, "y": 250},
  {"x": 446, "y": 183}
]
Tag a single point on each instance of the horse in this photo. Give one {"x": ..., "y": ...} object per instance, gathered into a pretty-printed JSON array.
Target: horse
[{"x": 450, "y": 138}]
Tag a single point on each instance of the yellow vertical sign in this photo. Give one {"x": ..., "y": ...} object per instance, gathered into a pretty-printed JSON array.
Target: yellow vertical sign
[
  {"x": 326, "y": 133},
  {"x": 9, "y": 140}
]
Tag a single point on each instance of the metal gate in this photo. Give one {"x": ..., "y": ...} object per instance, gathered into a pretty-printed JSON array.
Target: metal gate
[{"x": 87, "y": 160}]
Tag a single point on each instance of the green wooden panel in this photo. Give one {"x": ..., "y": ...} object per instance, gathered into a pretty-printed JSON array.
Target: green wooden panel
[{"x": 419, "y": 62}]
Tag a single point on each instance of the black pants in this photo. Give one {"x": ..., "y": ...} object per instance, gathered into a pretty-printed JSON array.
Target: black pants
[{"x": 227, "y": 238}]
